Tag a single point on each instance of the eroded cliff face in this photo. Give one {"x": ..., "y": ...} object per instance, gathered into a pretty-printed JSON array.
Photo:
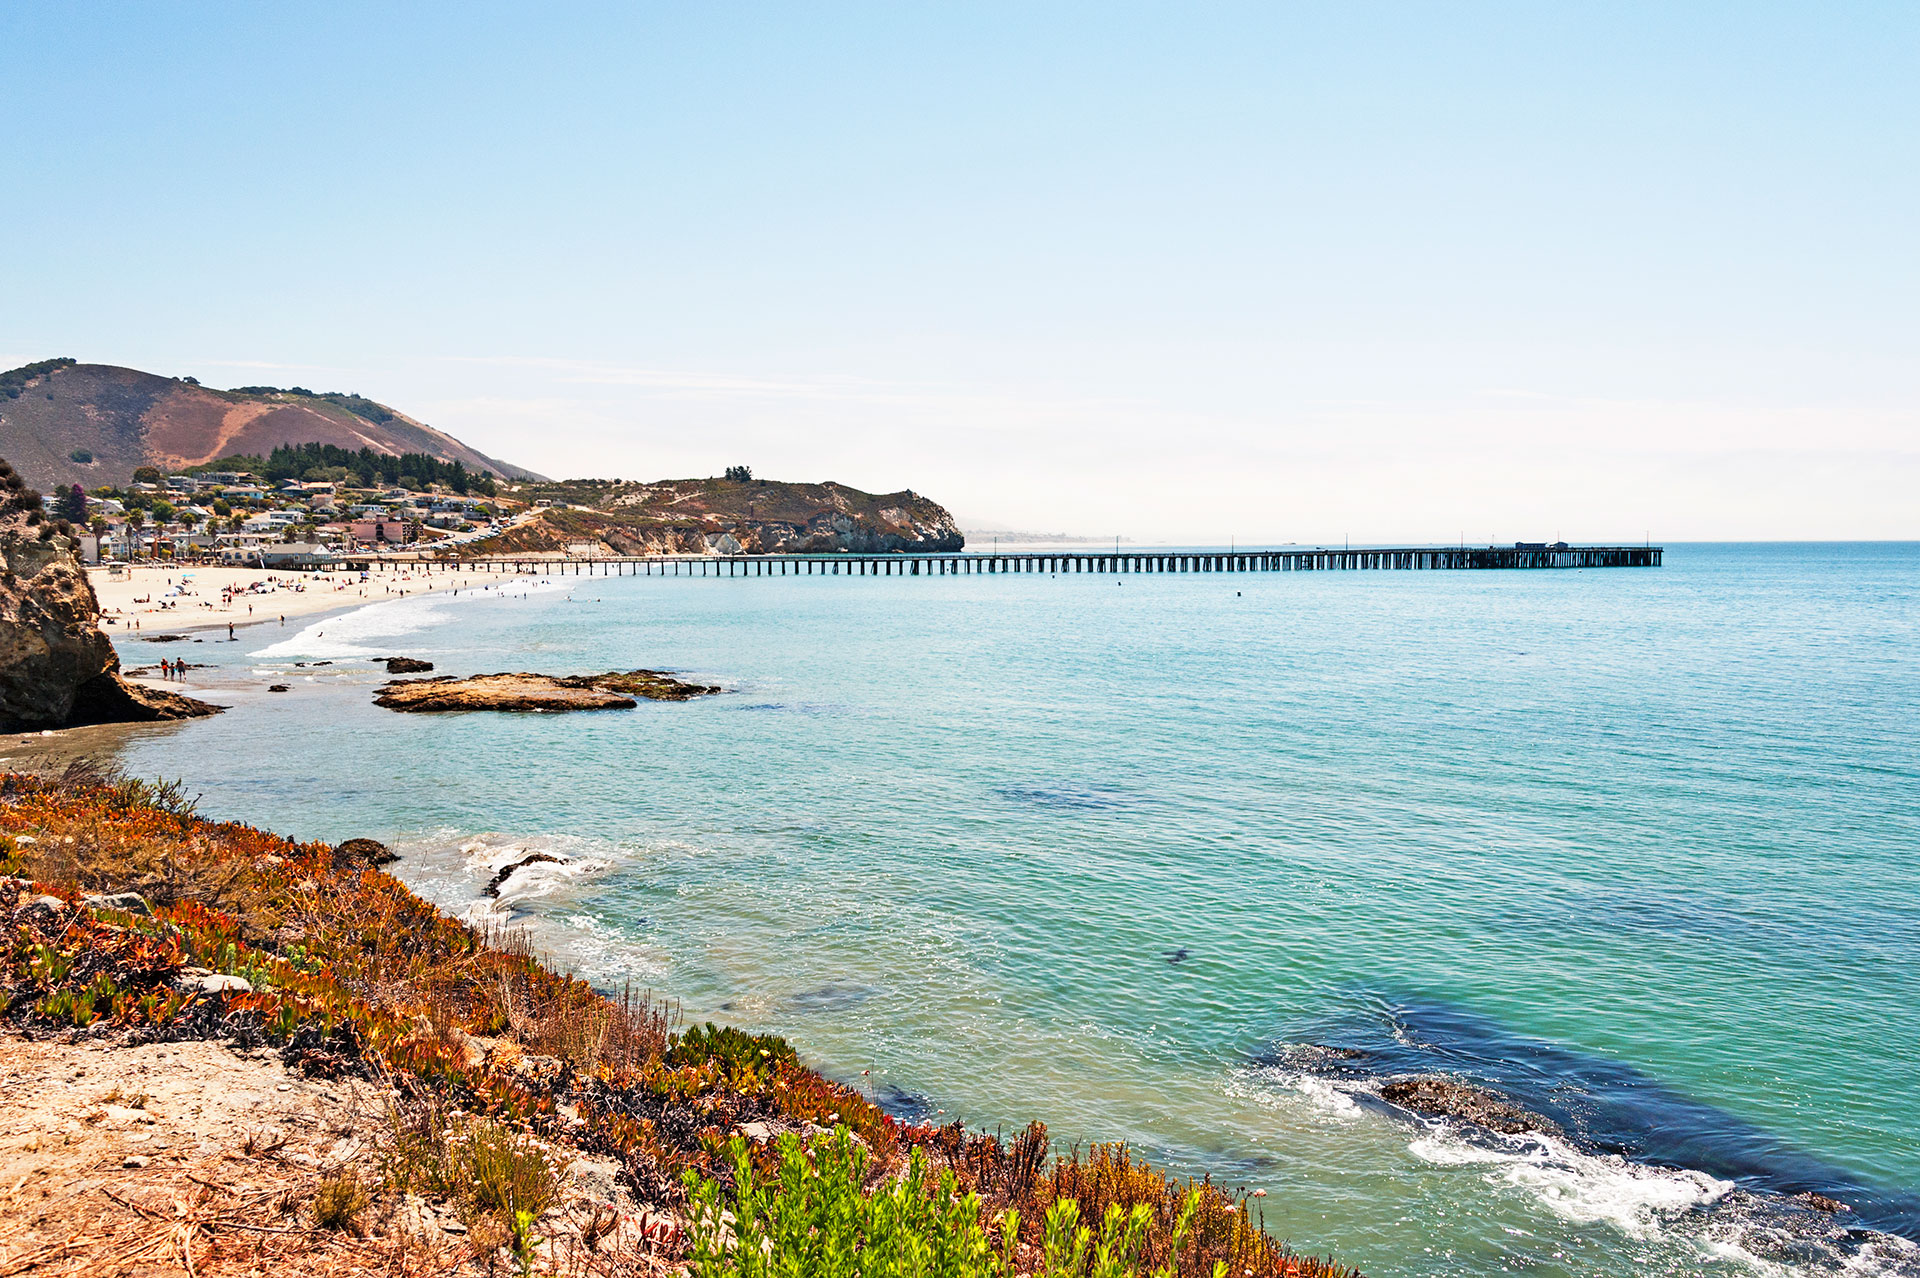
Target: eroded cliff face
[
  {"x": 731, "y": 517},
  {"x": 57, "y": 667},
  {"x": 825, "y": 534}
]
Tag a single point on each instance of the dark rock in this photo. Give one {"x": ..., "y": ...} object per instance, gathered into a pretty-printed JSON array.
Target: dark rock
[
  {"x": 1820, "y": 1202},
  {"x": 369, "y": 852},
  {"x": 277, "y": 687},
  {"x": 1445, "y": 1098},
  {"x": 57, "y": 667},
  {"x": 165, "y": 638},
  {"x": 111, "y": 699},
  {"x": 506, "y": 871},
  {"x": 407, "y": 665}
]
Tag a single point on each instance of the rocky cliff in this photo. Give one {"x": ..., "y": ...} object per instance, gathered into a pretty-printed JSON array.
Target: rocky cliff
[
  {"x": 57, "y": 668},
  {"x": 731, "y": 517}
]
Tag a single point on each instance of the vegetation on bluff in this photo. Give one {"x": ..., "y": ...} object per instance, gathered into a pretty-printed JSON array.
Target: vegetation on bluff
[
  {"x": 497, "y": 1060},
  {"x": 15, "y": 380},
  {"x": 368, "y": 468}
]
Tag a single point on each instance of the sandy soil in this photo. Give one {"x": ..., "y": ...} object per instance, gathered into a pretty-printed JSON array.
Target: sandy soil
[
  {"x": 170, "y": 598},
  {"x": 132, "y": 1160},
  {"x": 197, "y": 1159}
]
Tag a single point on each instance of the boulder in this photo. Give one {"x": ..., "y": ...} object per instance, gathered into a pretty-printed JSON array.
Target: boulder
[
  {"x": 125, "y": 902},
  {"x": 368, "y": 852},
  {"x": 407, "y": 665},
  {"x": 212, "y": 982},
  {"x": 536, "y": 692},
  {"x": 1446, "y": 1098}
]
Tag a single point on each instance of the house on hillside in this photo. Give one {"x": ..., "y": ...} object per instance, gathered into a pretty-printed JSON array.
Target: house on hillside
[{"x": 378, "y": 531}]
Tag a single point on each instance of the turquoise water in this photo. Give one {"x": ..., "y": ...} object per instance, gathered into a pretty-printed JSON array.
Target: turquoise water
[{"x": 1636, "y": 845}]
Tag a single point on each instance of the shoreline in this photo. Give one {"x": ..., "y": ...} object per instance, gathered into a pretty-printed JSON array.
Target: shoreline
[
  {"x": 135, "y": 600},
  {"x": 270, "y": 949},
  {"x": 57, "y": 747}
]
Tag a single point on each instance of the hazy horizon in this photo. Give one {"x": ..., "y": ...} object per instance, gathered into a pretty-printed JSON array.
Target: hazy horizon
[{"x": 1377, "y": 271}]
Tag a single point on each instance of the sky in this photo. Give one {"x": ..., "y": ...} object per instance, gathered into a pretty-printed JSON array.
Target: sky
[{"x": 1180, "y": 273}]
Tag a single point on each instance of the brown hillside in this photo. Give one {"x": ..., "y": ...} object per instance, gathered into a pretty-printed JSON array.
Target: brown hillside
[{"x": 127, "y": 418}]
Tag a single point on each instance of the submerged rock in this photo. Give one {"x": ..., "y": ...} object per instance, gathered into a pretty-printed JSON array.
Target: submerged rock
[
  {"x": 1820, "y": 1202},
  {"x": 505, "y": 872},
  {"x": 536, "y": 692},
  {"x": 1446, "y": 1098}
]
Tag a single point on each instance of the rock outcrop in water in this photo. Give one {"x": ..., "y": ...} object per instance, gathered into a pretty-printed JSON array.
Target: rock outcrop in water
[
  {"x": 1446, "y": 1098},
  {"x": 537, "y": 692},
  {"x": 57, "y": 667}
]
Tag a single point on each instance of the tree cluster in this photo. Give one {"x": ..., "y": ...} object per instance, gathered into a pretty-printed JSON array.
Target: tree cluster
[
  {"x": 366, "y": 467},
  {"x": 14, "y": 380}
]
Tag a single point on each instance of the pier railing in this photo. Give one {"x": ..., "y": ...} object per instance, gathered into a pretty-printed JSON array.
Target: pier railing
[{"x": 1288, "y": 559}]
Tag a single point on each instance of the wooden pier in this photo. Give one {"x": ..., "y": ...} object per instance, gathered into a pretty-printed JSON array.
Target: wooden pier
[{"x": 1289, "y": 559}]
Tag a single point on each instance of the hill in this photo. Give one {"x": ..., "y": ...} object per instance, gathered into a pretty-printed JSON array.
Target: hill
[
  {"x": 727, "y": 516},
  {"x": 64, "y": 423}
]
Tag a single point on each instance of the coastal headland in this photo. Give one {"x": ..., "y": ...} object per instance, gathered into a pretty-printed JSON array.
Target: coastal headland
[{"x": 237, "y": 1051}]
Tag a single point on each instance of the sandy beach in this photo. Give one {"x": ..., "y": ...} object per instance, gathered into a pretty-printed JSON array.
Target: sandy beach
[{"x": 170, "y": 598}]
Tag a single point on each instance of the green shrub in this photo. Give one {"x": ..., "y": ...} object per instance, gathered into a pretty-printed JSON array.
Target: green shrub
[
  {"x": 815, "y": 1217},
  {"x": 507, "y": 1179},
  {"x": 739, "y": 1051}
]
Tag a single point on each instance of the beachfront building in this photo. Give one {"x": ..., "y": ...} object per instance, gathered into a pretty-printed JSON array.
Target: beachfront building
[
  {"x": 292, "y": 554},
  {"x": 383, "y": 531}
]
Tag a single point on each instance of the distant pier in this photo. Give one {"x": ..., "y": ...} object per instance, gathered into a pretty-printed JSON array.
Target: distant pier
[{"x": 1290, "y": 559}]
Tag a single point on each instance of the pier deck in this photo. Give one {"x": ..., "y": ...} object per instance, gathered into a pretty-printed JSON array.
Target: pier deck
[{"x": 1288, "y": 559}]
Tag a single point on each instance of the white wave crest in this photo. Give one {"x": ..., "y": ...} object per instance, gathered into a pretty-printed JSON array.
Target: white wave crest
[
  {"x": 376, "y": 628},
  {"x": 1583, "y": 1188}
]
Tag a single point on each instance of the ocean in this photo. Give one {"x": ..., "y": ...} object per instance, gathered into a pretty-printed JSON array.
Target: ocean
[{"x": 1196, "y": 862}]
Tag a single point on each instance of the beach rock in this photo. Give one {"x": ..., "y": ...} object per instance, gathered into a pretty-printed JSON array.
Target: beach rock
[
  {"x": 1446, "y": 1098},
  {"x": 505, "y": 872},
  {"x": 43, "y": 907},
  {"x": 57, "y": 667},
  {"x": 407, "y": 665},
  {"x": 125, "y": 902},
  {"x": 536, "y": 692},
  {"x": 368, "y": 852},
  {"x": 277, "y": 687}
]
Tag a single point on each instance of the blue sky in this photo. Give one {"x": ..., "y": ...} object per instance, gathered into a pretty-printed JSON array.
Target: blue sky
[{"x": 1398, "y": 272}]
